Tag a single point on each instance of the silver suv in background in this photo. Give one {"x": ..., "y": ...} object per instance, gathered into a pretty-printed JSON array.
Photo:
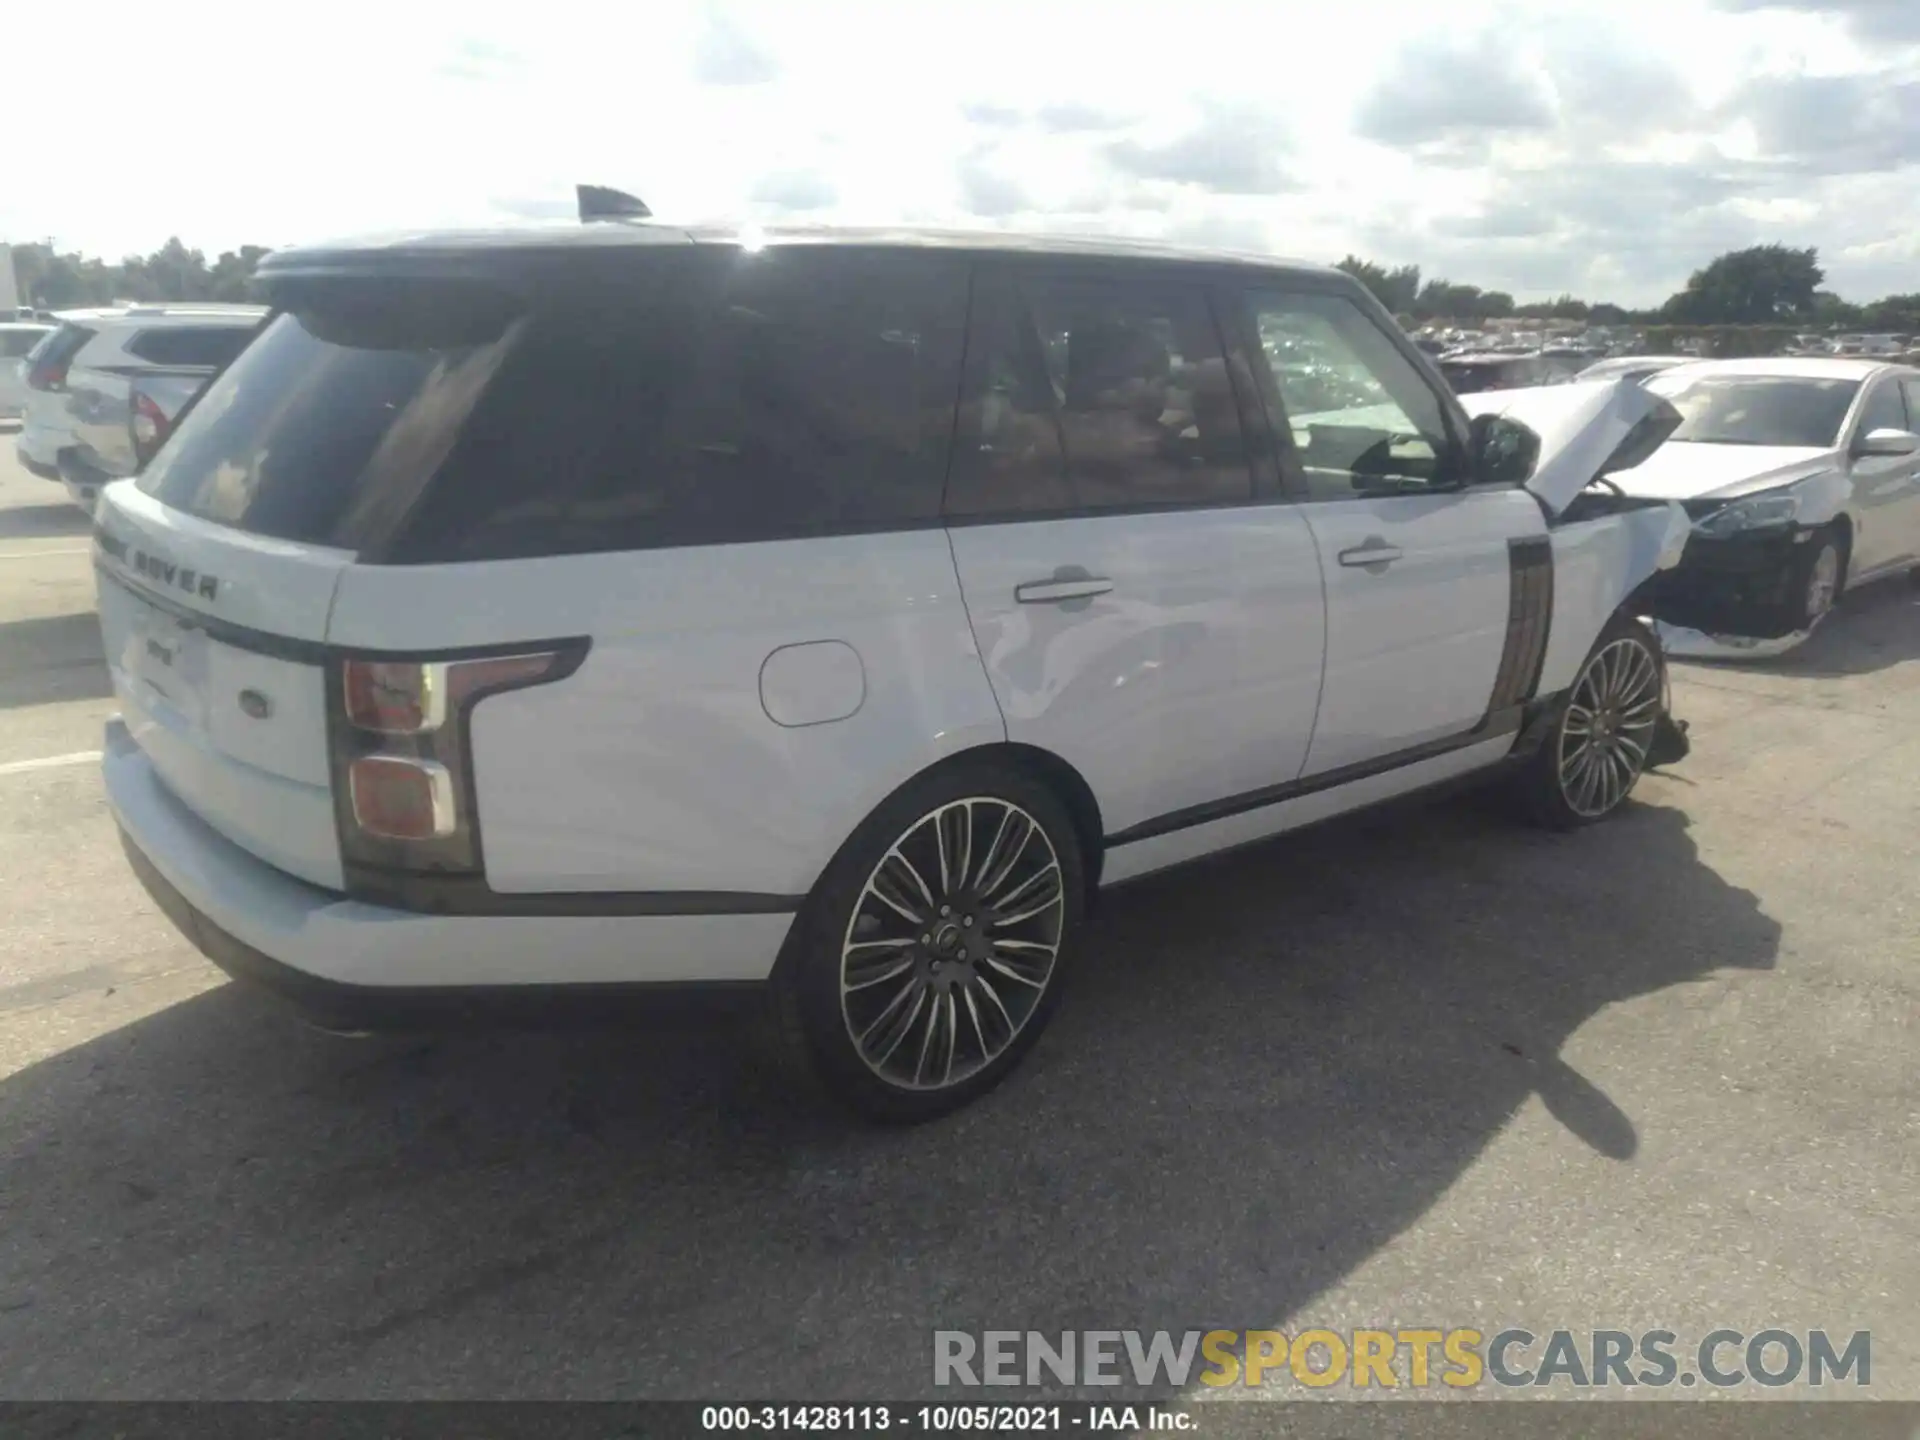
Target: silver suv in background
[
  {"x": 85, "y": 384},
  {"x": 16, "y": 341}
]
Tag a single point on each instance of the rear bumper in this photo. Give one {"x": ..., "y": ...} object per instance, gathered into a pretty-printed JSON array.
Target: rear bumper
[
  {"x": 34, "y": 466},
  {"x": 83, "y": 480},
  {"x": 350, "y": 965},
  {"x": 39, "y": 446}
]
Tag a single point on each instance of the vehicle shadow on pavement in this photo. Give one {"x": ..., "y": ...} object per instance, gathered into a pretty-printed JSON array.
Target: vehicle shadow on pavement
[
  {"x": 1268, "y": 1067},
  {"x": 28, "y": 522},
  {"x": 52, "y": 657},
  {"x": 1870, "y": 630}
]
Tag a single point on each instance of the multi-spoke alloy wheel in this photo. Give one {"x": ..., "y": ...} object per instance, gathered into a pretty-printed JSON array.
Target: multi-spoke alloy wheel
[
  {"x": 1608, "y": 726},
  {"x": 952, "y": 943}
]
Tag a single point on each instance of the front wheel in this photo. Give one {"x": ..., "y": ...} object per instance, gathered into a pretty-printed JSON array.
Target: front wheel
[
  {"x": 1819, "y": 575},
  {"x": 930, "y": 956},
  {"x": 1605, "y": 734}
]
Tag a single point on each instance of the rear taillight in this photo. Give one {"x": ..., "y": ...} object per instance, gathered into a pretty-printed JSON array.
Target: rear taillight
[
  {"x": 149, "y": 425},
  {"x": 399, "y": 798},
  {"x": 47, "y": 376},
  {"x": 402, "y": 766}
]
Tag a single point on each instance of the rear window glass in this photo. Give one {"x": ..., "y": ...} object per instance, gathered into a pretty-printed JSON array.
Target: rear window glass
[
  {"x": 58, "y": 347},
  {"x": 729, "y": 398},
  {"x": 198, "y": 345},
  {"x": 760, "y": 396},
  {"x": 325, "y": 429}
]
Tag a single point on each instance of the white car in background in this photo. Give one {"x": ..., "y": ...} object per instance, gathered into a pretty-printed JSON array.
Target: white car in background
[
  {"x": 1802, "y": 476},
  {"x": 17, "y": 339},
  {"x": 1633, "y": 367},
  {"x": 124, "y": 340}
]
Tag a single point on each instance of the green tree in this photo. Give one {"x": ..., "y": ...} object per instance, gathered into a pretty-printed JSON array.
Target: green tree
[
  {"x": 1829, "y": 309},
  {"x": 1754, "y": 286},
  {"x": 58, "y": 280},
  {"x": 1442, "y": 299},
  {"x": 232, "y": 276},
  {"x": 1394, "y": 289},
  {"x": 1897, "y": 313}
]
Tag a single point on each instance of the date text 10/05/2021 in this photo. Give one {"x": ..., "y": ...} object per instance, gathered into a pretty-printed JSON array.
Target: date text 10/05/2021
[{"x": 941, "y": 1419}]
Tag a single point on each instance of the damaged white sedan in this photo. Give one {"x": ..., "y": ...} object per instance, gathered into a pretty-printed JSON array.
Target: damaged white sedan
[{"x": 1802, "y": 477}]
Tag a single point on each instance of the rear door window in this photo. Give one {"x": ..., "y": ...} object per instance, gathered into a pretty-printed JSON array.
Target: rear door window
[
  {"x": 1095, "y": 395},
  {"x": 210, "y": 346},
  {"x": 16, "y": 343},
  {"x": 760, "y": 396}
]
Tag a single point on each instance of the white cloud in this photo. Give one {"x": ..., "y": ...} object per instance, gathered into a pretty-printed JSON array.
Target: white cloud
[{"x": 1603, "y": 146}]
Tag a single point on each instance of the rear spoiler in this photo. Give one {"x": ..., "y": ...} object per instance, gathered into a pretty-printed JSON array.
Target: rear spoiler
[{"x": 598, "y": 202}]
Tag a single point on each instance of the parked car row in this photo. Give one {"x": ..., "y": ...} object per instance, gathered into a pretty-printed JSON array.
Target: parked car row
[
  {"x": 17, "y": 340},
  {"x": 103, "y": 388},
  {"x": 551, "y": 614}
]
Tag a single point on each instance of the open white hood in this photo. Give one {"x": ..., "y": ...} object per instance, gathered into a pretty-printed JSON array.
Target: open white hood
[{"x": 1585, "y": 429}]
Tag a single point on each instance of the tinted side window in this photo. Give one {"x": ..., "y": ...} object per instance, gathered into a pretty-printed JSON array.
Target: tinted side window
[
  {"x": 1099, "y": 396},
  {"x": 1912, "y": 389},
  {"x": 16, "y": 343},
  {"x": 763, "y": 396},
  {"x": 1364, "y": 421},
  {"x": 209, "y": 345},
  {"x": 1884, "y": 409}
]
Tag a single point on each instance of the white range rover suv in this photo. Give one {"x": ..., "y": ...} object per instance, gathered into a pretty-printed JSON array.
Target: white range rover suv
[{"x": 830, "y": 614}]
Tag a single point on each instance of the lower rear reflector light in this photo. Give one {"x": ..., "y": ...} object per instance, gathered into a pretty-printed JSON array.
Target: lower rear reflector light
[{"x": 398, "y": 797}]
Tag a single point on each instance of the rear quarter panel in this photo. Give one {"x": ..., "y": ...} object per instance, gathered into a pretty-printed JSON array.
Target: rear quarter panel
[
  {"x": 100, "y": 409},
  {"x": 657, "y": 765}
]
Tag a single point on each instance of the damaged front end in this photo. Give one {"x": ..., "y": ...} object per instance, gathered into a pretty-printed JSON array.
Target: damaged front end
[
  {"x": 1611, "y": 551},
  {"x": 1737, "y": 597}
]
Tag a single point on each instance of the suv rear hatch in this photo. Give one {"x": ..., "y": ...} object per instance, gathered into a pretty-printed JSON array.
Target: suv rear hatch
[{"x": 219, "y": 565}]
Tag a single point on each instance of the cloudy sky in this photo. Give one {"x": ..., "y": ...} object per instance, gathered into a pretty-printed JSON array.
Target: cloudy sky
[{"x": 1607, "y": 147}]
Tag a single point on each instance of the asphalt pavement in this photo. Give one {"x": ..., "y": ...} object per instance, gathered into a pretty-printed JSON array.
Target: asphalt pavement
[{"x": 1426, "y": 1068}]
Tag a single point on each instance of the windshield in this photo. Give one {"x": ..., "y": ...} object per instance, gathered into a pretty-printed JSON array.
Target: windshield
[{"x": 1782, "y": 410}]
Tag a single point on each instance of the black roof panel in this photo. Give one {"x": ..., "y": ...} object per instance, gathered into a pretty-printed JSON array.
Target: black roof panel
[{"x": 411, "y": 249}]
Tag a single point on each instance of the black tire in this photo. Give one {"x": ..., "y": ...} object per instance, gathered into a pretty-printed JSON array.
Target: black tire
[
  {"x": 986, "y": 1008},
  {"x": 1605, "y": 715},
  {"x": 1803, "y": 606}
]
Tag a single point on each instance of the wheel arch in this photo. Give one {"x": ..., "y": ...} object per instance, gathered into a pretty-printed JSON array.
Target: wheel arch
[
  {"x": 1050, "y": 769},
  {"x": 1842, "y": 526}
]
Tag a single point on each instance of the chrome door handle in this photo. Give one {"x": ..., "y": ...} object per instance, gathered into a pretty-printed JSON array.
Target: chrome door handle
[
  {"x": 1372, "y": 553},
  {"x": 1061, "y": 587}
]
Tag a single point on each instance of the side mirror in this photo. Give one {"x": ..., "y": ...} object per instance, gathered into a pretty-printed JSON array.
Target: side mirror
[
  {"x": 1887, "y": 442},
  {"x": 1501, "y": 451}
]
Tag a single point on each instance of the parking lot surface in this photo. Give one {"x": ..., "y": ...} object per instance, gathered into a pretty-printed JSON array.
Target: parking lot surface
[{"x": 1425, "y": 1069}]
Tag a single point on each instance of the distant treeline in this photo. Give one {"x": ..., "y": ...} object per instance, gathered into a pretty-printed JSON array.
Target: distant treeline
[
  {"x": 54, "y": 280},
  {"x": 1766, "y": 285}
]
